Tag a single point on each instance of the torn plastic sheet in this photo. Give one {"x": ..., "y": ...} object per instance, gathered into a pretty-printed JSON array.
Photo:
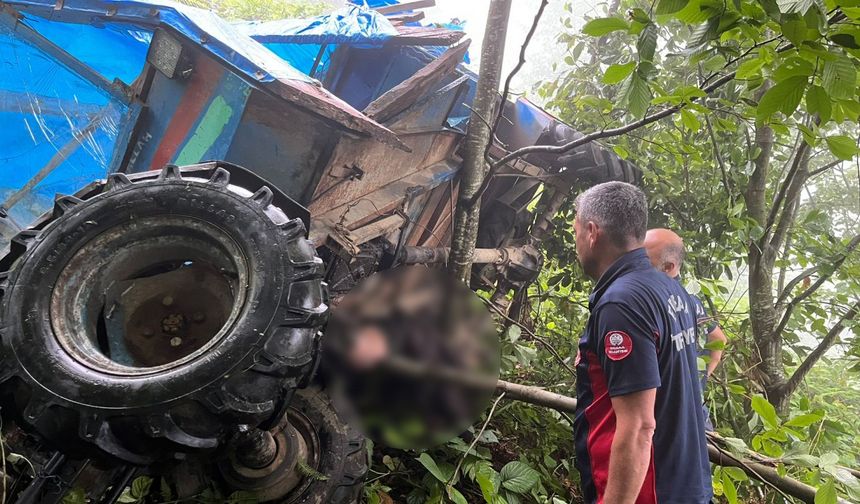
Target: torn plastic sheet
[
  {"x": 59, "y": 130},
  {"x": 114, "y": 50},
  {"x": 201, "y": 26},
  {"x": 301, "y": 42}
]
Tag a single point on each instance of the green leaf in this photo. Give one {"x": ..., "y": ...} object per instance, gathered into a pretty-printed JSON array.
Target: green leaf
[
  {"x": 794, "y": 28},
  {"x": 818, "y": 102},
  {"x": 166, "y": 491},
  {"x": 845, "y": 40},
  {"x": 843, "y": 147},
  {"x": 640, "y": 16},
  {"x": 514, "y": 333},
  {"x": 621, "y": 151},
  {"x": 828, "y": 459},
  {"x": 750, "y": 68},
  {"x": 804, "y": 420},
  {"x": 765, "y": 410},
  {"x": 242, "y": 497},
  {"x": 427, "y": 461},
  {"x": 617, "y": 73},
  {"x": 697, "y": 12},
  {"x": 826, "y": 494},
  {"x": 638, "y": 96},
  {"x": 647, "y": 43},
  {"x": 839, "y": 78},
  {"x": 783, "y": 97},
  {"x": 75, "y": 496},
  {"x": 488, "y": 490},
  {"x": 670, "y": 6},
  {"x": 793, "y": 67},
  {"x": 140, "y": 487},
  {"x": 455, "y": 495},
  {"x": 519, "y": 477},
  {"x": 736, "y": 473},
  {"x": 795, "y": 6},
  {"x": 689, "y": 120},
  {"x": 715, "y": 345},
  {"x": 802, "y": 459},
  {"x": 602, "y": 26},
  {"x": 729, "y": 489}
]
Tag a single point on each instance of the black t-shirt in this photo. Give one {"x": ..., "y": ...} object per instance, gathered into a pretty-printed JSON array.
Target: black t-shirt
[{"x": 642, "y": 335}]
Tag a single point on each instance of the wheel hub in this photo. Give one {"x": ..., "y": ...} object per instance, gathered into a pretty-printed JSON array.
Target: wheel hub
[{"x": 293, "y": 453}]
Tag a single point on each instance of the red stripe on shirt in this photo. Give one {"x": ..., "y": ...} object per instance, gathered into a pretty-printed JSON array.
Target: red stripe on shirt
[{"x": 601, "y": 432}]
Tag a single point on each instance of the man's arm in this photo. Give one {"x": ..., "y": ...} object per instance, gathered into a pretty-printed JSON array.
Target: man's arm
[
  {"x": 716, "y": 355},
  {"x": 631, "y": 446}
]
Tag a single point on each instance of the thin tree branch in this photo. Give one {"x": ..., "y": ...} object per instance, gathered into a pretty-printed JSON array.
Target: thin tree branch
[
  {"x": 475, "y": 440},
  {"x": 816, "y": 285},
  {"x": 788, "y": 194},
  {"x": 852, "y": 245},
  {"x": 522, "y": 61},
  {"x": 531, "y": 333},
  {"x": 606, "y": 133},
  {"x": 758, "y": 471},
  {"x": 720, "y": 162},
  {"x": 825, "y": 168},
  {"x": 822, "y": 347}
]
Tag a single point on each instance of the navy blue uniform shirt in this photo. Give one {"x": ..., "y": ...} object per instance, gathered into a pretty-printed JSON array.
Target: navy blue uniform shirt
[
  {"x": 642, "y": 335},
  {"x": 706, "y": 325}
]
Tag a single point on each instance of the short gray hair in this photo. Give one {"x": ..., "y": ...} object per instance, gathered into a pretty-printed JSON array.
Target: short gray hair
[{"x": 619, "y": 208}]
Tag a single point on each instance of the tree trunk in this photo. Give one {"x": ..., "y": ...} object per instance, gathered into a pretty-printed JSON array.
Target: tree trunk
[
  {"x": 477, "y": 139},
  {"x": 763, "y": 315}
]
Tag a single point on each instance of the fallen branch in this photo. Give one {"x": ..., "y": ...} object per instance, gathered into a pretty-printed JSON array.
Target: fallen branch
[
  {"x": 718, "y": 456},
  {"x": 565, "y": 404}
]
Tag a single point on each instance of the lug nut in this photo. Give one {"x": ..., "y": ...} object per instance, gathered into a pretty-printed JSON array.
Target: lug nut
[
  {"x": 148, "y": 332},
  {"x": 198, "y": 317},
  {"x": 167, "y": 301},
  {"x": 175, "y": 341}
]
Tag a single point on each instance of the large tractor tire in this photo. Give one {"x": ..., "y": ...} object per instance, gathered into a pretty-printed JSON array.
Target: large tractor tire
[{"x": 152, "y": 315}]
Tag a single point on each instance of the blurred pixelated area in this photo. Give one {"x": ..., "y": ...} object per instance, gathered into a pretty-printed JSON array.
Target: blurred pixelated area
[{"x": 411, "y": 356}]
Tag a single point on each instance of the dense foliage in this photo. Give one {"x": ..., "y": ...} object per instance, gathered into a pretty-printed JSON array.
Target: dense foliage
[
  {"x": 262, "y": 10},
  {"x": 755, "y": 164}
]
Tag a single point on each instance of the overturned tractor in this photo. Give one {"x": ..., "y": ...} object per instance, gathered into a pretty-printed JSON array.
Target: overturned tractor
[{"x": 166, "y": 319}]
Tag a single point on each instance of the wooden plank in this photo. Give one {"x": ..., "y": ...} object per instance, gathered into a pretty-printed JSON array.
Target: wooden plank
[
  {"x": 376, "y": 229},
  {"x": 406, "y": 18},
  {"x": 422, "y": 225},
  {"x": 406, "y": 6},
  {"x": 403, "y": 95},
  {"x": 425, "y": 36},
  {"x": 381, "y": 202},
  {"x": 381, "y": 166}
]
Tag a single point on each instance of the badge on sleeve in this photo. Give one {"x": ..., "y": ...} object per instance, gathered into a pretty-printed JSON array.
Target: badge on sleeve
[{"x": 617, "y": 345}]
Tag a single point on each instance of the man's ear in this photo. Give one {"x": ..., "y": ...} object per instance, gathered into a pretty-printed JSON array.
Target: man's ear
[
  {"x": 667, "y": 267},
  {"x": 593, "y": 233}
]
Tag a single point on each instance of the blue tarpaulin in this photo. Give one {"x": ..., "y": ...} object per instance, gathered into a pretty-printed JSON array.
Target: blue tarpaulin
[
  {"x": 302, "y": 41},
  {"x": 63, "y": 129}
]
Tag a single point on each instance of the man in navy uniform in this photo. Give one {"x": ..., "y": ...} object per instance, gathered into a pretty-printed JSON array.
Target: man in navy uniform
[
  {"x": 639, "y": 401},
  {"x": 666, "y": 251}
]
